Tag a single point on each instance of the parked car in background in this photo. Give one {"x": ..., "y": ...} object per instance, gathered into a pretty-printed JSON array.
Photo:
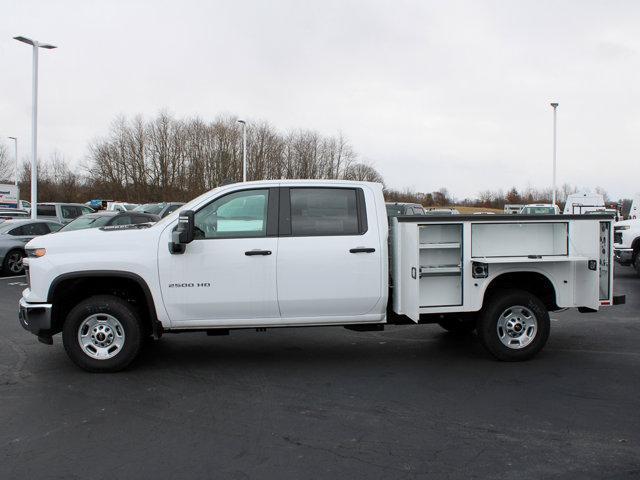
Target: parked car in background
[
  {"x": 161, "y": 209},
  {"x": 24, "y": 205},
  {"x": 10, "y": 213},
  {"x": 580, "y": 203},
  {"x": 98, "y": 204},
  {"x": 396, "y": 209},
  {"x": 14, "y": 234},
  {"x": 121, "y": 206},
  {"x": 610, "y": 211},
  {"x": 442, "y": 211},
  {"x": 540, "y": 209},
  {"x": 61, "y": 212},
  {"x": 105, "y": 218},
  {"x": 626, "y": 243},
  {"x": 512, "y": 208}
]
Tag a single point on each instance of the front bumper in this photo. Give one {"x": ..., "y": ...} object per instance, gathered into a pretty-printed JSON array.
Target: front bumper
[
  {"x": 624, "y": 256},
  {"x": 36, "y": 318}
]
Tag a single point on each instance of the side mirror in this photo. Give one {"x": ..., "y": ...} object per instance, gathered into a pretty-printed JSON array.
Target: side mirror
[{"x": 184, "y": 232}]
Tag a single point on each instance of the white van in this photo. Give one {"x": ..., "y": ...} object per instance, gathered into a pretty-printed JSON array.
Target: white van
[{"x": 579, "y": 203}]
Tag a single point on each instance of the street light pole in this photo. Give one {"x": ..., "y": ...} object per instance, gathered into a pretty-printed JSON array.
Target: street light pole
[
  {"x": 244, "y": 150},
  {"x": 34, "y": 120},
  {"x": 555, "y": 107},
  {"x": 15, "y": 153}
]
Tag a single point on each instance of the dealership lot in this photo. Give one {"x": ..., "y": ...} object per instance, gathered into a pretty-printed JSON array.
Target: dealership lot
[{"x": 409, "y": 402}]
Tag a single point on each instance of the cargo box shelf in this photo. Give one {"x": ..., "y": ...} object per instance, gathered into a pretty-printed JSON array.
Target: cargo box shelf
[
  {"x": 440, "y": 245},
  {"x": 440, "y": 270}
]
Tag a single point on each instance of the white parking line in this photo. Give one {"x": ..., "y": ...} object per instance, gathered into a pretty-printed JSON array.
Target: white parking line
[{"x": 9, "y": 278}]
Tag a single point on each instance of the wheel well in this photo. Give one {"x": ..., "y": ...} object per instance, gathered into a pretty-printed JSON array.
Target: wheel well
[
  {"x": 66, "y": 292},
  {"x": 532, "y": 282}
]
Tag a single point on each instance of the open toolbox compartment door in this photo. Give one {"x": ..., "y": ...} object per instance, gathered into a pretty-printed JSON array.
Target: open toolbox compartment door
[{"x": 406, "y": 270}]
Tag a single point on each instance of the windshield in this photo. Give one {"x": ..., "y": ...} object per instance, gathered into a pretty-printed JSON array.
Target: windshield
[
  {"x": 130, "y": 206},
  {"x": 86, "y": 222},
  {"x": 152, "y": 208},
  {"x": 538, "y": 211}
]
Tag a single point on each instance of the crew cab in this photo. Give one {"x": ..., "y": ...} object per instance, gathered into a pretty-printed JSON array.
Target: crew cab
[{"x": 312, "y": 253}]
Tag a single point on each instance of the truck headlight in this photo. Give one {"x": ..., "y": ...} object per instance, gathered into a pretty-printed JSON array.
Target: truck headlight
[{"x": 36, "y": 252}]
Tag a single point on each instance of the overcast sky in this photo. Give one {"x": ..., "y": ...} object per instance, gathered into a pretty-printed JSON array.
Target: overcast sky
[{"x": 448, "y": 94}]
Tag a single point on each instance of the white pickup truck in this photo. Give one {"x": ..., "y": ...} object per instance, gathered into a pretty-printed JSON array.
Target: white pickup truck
[{"x": 312, "y": 253}]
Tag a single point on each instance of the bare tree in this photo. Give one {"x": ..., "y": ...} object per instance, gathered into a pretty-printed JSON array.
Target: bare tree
[{"x": 5, "y": 170}]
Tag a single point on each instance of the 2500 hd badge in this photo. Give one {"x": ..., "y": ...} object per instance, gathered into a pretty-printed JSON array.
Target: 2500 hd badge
[{"x": 189, "y": 285}]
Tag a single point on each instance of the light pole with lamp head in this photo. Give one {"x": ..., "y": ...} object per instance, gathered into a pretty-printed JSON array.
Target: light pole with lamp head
[
  {"x": 244, "y": 150},
  {"x": 34, "y": 120},
  {"x": 555, "y": 107}
]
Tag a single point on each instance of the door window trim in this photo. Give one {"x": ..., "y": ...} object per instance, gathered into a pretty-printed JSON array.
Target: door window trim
[{"x": 285, "y": 212}]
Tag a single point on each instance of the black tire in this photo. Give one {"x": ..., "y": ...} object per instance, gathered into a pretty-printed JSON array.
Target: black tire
[
  {"x": 8, "y": 265},
  {"x": 488, "y": 332},
  {"x": 123, "y": 312},
  {"x": 636, "y": 264},
  {"x": 458, "y": 326}
]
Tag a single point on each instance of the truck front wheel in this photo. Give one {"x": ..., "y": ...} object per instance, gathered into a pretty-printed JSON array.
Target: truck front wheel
[
  {"x": 102, "y": 334},
  {"x": 514, "y": 325}
]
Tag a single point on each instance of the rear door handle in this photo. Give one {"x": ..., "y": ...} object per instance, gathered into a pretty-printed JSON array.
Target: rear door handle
[
  {"x": 362, "y": 250},
  {"x": 251, "y": 253}
]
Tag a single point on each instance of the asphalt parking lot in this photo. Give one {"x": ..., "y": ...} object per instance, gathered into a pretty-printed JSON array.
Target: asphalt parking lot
[{"x": 409, "y": 402}]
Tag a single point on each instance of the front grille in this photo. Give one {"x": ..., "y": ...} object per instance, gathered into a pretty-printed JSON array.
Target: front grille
[
  {"x": 617, "y": 237},
  {"x": 27, "y": 276}
]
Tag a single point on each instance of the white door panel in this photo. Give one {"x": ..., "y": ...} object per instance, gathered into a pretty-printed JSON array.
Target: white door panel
[
  {"x": 318, "y": 276},
  {"x": 229, "y": 270},
  {"x": 214, "y": 279}
]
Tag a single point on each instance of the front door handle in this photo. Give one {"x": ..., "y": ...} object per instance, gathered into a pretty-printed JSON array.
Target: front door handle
[
  {"x": 251, "y": 253},
  {"x": 362, "y": 250}
]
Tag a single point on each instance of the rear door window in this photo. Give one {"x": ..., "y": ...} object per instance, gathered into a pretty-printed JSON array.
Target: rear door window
[
  {"x": 46, "y": 211},
  {"x": 324, "y": 211},
  {"x": 35, "y": 229}
]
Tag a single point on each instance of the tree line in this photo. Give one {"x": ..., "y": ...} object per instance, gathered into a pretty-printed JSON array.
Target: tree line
[{"x": 164, "y": 158}]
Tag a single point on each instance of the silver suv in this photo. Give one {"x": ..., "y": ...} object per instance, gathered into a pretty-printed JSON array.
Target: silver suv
[{"x": 61, "y": 212}]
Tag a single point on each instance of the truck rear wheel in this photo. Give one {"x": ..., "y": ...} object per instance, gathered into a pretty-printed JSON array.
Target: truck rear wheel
[
  {"x": 514, "y": 325},
  {"x": 102, "y": 334}
]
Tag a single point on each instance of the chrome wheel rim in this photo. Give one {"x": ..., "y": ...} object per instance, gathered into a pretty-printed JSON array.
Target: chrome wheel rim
[
  {"x": 15, "y": 262},
  {"x": 517, "y": 327},
  {"x": 101, "y": 336}
]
